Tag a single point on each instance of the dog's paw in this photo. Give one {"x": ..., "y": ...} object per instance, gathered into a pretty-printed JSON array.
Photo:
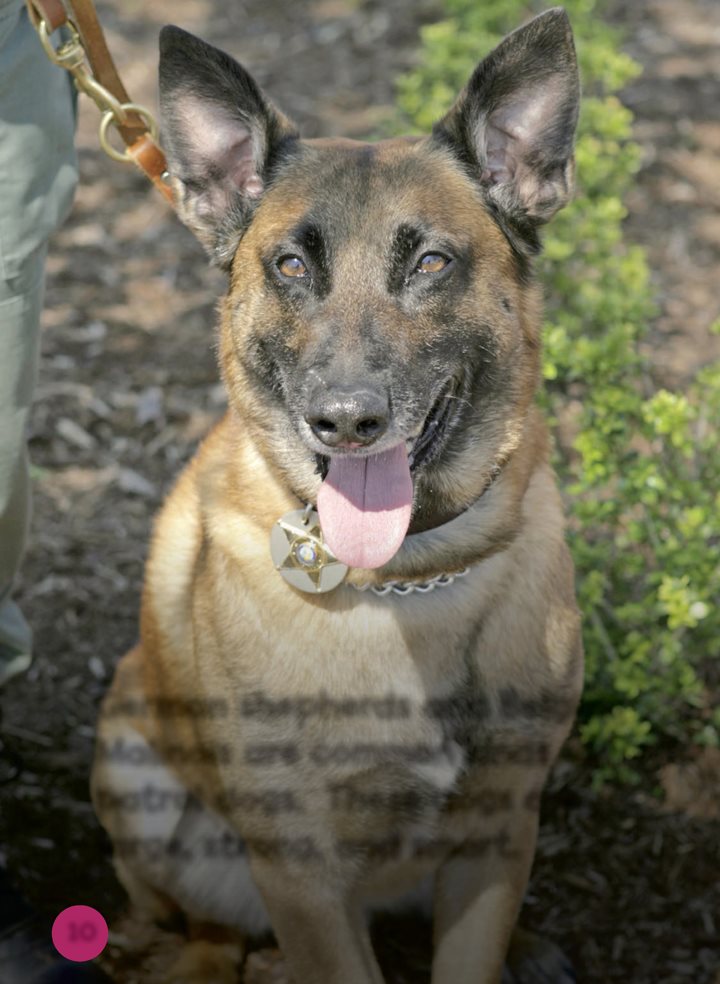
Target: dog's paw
[
  {"x": 203, "y": 962},
  {"x": 534, "y": 960}
]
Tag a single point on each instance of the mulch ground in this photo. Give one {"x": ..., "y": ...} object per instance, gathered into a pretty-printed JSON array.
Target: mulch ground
[{"x": 628, "y": 882}]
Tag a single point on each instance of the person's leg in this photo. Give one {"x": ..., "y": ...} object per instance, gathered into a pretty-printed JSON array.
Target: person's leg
[
  {"x": 37, "y": 179},
  {"x": 19, "y": 320}
]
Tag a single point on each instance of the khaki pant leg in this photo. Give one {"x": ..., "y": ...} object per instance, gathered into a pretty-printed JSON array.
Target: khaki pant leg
[{"x": 38, "y": 173}]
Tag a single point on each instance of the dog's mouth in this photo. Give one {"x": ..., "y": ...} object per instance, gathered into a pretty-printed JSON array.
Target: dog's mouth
[
  {"x": 365, "y": 501},
  {"x": 429, "y": 441},
  {"x": 426, "y": 446}
]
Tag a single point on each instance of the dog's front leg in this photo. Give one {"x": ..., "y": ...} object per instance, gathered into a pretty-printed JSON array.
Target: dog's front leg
[
  {"x": 478, "y": 894},
  {"x": 323, "y": 937}
]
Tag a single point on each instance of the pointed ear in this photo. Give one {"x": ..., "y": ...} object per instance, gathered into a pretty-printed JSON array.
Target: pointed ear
[
  {"x": 220, "y": 134},
  {"x": 514, "y": 123}
]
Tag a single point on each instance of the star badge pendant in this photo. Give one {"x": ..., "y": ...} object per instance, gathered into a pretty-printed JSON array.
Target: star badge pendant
[{"x": 301, "y": 556}]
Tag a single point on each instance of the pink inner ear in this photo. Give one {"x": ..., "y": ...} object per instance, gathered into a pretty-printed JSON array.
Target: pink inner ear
[
  {"x": 238, "y": 162},
  {"x": 513, "y": 130},
  {"x": 500, "y": 165},
  {"x": 218, "y": 142},
  {"x": 254, "y": 186}
]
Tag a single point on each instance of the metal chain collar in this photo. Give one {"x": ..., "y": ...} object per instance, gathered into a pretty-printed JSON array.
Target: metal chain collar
[
  {"x": 409, "y": 587},
  {"x": 303, "y": 559}
]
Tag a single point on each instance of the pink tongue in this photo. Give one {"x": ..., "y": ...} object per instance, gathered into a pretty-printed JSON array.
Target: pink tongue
[{"x": 364, "y": 506}]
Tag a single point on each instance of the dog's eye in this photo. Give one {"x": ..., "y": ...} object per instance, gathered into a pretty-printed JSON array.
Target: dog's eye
[
  {"x": 292, "y": 266},
  {"x": 432, "y": 263}
]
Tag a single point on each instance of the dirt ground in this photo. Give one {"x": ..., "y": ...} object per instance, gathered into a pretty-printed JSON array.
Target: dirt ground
[{"x": 629, "y": 886}]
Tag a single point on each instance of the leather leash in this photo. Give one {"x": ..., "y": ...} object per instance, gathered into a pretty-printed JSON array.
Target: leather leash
[{"x": 86, "y": 56}]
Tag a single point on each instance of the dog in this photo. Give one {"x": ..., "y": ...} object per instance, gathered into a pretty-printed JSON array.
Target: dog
[{"x": 360, "y": 649}]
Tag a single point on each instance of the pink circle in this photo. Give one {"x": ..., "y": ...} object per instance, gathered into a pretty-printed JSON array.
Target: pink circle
[{"x": 79, "y": 933}]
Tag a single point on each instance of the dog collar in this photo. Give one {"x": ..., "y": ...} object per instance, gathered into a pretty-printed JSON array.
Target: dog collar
[
  {"x": 409, "y": 587},
  {"x": 305, "y": 561}
]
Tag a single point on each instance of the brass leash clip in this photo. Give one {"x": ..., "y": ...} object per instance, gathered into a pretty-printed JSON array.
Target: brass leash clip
[
  {"x": 70, "y": 55},
  {"x": 85, "y": 55}
]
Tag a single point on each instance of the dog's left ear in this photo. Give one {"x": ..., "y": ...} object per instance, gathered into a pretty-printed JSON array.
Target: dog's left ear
[
  {"x": 514, "y": 123},
  {"x": 221, "y": 134}
]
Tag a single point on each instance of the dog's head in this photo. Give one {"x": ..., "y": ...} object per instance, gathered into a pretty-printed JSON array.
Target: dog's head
[{"x": 381, "y": 329}]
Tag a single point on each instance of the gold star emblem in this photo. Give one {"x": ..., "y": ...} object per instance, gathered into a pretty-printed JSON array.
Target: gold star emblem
[{"x": 300, "y": 554}]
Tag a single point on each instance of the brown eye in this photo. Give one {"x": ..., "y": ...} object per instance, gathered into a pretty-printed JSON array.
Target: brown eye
[
  {"x": 292, "y": 266},
  {"x": 432, "y": 263}
]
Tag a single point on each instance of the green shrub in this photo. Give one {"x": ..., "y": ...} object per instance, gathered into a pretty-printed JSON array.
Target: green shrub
[{"x": 641, "y": 468}]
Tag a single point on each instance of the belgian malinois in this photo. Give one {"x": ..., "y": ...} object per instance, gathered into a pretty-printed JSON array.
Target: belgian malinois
[{"x": 360, "y": 649}]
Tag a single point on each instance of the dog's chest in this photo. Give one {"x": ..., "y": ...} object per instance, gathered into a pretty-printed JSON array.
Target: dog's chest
[
  {"x": 369, "y": 669},
  {"x": 349, "y": 708}
]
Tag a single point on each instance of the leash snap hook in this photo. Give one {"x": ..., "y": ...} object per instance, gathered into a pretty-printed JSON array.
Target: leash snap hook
[{"x": 117, "y": 115}]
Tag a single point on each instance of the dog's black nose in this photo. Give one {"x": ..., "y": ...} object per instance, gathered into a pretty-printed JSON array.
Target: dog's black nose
[{"x": 348, "y": 417}]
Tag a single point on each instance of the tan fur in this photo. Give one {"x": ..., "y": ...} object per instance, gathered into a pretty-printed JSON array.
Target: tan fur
[{"x": 218, "y": 623}]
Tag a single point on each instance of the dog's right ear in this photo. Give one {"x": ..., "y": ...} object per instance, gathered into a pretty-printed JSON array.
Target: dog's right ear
[{"x": 220, "y": 134}]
